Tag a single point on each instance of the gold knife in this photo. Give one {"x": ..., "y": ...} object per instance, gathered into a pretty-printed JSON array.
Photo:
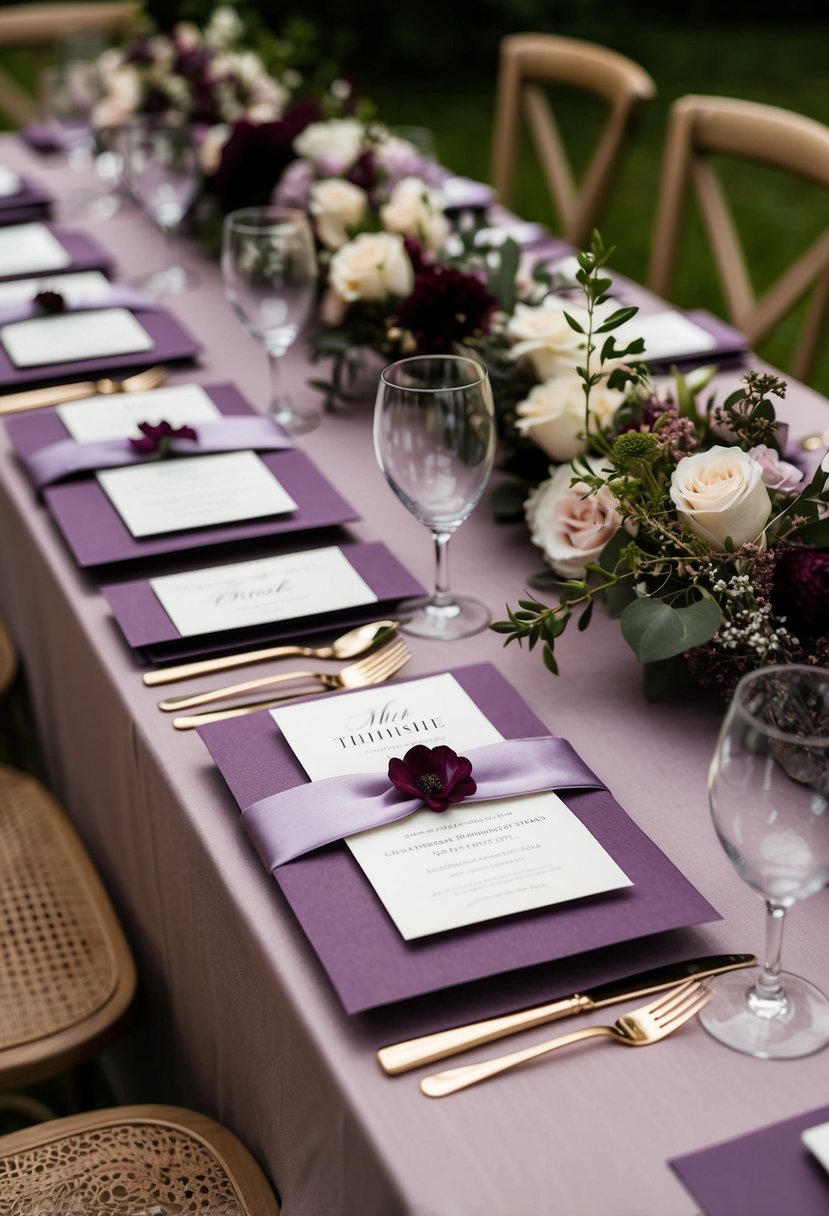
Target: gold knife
[
  {"x": 59, "y": 394},
  {"x": 400, "y": 1057}
]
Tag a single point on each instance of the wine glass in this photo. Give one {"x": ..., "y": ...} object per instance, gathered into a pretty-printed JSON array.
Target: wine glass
[
  {"x": 162, "y": 170},
  {"x": 269, "y": 267},
  {"x": 70, "y": 91},
  {"x": 434, "y": 437},
  {"x": 769, "y": 795}
]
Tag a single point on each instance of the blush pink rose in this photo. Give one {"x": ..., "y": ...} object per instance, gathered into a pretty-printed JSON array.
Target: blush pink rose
[{"x": 570, "y": 527}]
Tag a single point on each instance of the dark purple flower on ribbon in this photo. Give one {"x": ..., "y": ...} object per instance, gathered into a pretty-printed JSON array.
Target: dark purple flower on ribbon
[
  {"x": 50, "y": 301},
  {"x": 436, "y": 774},
  {"x": 446, "y": 306},
  {"x": 156, "y": 439}
]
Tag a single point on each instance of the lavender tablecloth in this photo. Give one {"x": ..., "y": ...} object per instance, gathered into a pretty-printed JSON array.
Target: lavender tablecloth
[{"x": 236, "y": 1015}]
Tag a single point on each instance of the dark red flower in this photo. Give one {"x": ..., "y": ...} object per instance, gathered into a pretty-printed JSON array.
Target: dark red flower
[
  {"x": 802, "y": 588},
  {"x": 446, "y": 306},
  {"x": 50, "y": 301},
  {"x": 436, "y": 774},
  {"x": 255, "y": 156},
  {"x": 156, "y": 439}
]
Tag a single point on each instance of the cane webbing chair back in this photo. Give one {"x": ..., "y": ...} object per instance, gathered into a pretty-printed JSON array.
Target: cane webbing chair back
[
  {"x": 528, "y": 62},
  {"x": 67, "y": 977},
  {"x": 136, "y": 1160},
  {"x": 700, "y": 128},
  {"x": 38, "y": 29},
  {"x": 8, "y": 661}
]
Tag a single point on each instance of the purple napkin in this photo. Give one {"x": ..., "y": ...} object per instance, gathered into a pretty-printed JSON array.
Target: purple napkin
[{"x": 769, "y": 1172}]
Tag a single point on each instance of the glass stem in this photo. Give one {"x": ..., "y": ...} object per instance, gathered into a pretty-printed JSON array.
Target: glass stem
[
  {"x": 442, "y": 597},
  {"x": 275, "y": 365},
  {"x": 768, "y": 982}
]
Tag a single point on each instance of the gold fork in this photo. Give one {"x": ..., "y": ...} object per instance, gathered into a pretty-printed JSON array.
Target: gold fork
[
  {"x": 57, "y": 394},
  {"x": 639, "y": 1028},
  {"x": 374, "y": 669}
]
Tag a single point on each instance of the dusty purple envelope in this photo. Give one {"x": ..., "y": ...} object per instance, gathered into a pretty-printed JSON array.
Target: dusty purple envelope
[
  {"x": 769, "y": 1172},
  {"x": 367, "y": 960},
  {"x": 171, "y": 343},
  {"x": 149, "y": 630},
  {"x": 31, "y": 202},
  {"x": 86, "y": 254},
  {"x": 97, "y": 535}
]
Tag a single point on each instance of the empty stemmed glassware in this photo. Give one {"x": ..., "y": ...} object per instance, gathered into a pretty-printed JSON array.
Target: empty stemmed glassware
[
  {"x": 269, "y": 267},
  {"x": 70, "y": 90},
  {"x": 162, "y": 171},
  {"x": 769, "y": 795},
  {"x": 434, "y": 436}
]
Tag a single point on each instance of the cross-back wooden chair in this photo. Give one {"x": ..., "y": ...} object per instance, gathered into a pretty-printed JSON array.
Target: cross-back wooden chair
[
  {"x": 526, "y": 63},
  {"x": 701, "y": 128},
  {"x": 39, "y": 29},
  {"x": 132, "y": 1160}
]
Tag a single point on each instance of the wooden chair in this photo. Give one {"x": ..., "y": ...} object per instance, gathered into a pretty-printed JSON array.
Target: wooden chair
[
  {"x": 701, "y": 128},
  {"x": 67, "y": 977},
  {"x": 8, "y": 661},
  {"x": 136, "y": 1160},
  {"x": 528, "y": 61},
  {"x": 39, "y": 29}
]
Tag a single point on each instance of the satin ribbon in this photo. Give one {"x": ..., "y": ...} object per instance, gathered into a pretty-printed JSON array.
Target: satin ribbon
[
  {"x": 118, "y": 296},
  {"x": 233, "y": 433},
  {"x": 299, "y": 820}
]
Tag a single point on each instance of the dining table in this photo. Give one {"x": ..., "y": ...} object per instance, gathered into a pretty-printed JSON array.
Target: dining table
[{"x": 236, "y": 1016}]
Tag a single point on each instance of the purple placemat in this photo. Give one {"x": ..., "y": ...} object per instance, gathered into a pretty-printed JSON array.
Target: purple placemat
[
  {"x": 30, "y": 202},
  {"x": 367, "y": 960},
  {"x": 769, "y": 1172},
  {"x": 86, "y": 254},
  {"x": 172, "y": 343},
  {"x": 148, "y": 629}
]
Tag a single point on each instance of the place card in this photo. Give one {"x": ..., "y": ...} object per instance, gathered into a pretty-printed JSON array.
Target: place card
[
  {"x": 193, "y": 492},
  {"x": 68, "y": 337},
  {"x": 471, "y": 863},
  {"x": 816, "y": 1140},
  {"x": 97, "y": 419},
  {"x": 10, "y": 183},
  {"x": 77, "y": 285},
  {"x": 261, "y": 592},
  {"x": 30, "y": 249}
]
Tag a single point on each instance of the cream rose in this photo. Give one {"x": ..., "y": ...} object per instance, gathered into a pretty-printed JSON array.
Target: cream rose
[
  {"x": 416, "y": 210},
  {"x": 552, "y": 415},
  {"x": 336, "y": 206},
  {"x": 541, "y": 333},
  {"x": 568, "y": 525},
  {"x": 335, "y": 144},
  {"x": 373, "y": 266},
  {"x": 720, "y": 494}
]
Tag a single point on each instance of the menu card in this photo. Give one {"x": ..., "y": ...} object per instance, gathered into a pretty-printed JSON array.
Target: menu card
[
  {"x": 95, "y": 419},
  {"x": 260, "y": 592},
  {"x": 193, "y": 492},
  {"x": 10, "y": 183},
  {"x": 816, "y": 1140},
  {"x": 30, "y": 249},
  {"x": 67, "y": 337},
  {"x": 472, "y": 863}
]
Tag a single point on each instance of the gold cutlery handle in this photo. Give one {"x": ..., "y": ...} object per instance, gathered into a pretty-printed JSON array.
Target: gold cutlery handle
[
  {"x": 204, "y": 667},
  {"x": 38, "y": 398},
  {"x": 442, "y": 1083},
  {"x": 219, "y": 715},
  {"x": 230, "y": 690},
  {"x": 400, "y": 1057}
]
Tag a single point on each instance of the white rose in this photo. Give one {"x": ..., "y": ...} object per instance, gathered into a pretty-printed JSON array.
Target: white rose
[
  {"x": 336, "y": 206},
  {"x": 416, "y": 210},
  {"x": 553, "y": 414},
  {"x": 542, "y": 334},
  {"x": 373, "y": 266},
  {"x": 719, "y": 494},
  {"x": 121, "y": 99},
  {"x": 568, "y": 525},
  {"x": 335, "y": 144},
  {"x": 211, "y": 148}
]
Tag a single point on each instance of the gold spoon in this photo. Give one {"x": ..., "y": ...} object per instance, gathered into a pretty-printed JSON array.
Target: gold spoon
[{"x": 356, "y": 642}]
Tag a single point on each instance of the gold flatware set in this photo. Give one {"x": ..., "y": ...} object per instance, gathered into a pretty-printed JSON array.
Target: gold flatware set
[{"x": 59, "y": 394}]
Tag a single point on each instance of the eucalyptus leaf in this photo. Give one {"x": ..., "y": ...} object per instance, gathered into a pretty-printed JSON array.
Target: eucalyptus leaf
[{"x": 655, "y": 630}]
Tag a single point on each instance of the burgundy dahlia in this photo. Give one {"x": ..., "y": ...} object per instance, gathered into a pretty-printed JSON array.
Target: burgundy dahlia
[
  {"x": 156, "y": 439},
  {"x": 446, "y": 307},
  {"x": 436, "y": 774},
  {"x": 802, "y": 588},
  {"x": 255, "y": 156}
]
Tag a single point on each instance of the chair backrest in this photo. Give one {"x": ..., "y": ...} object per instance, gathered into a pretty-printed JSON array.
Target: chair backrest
[
  {"x": 39, "y": 28},
  {"x": 526, "y": 63},
  {"x": 700, "y": 128}
]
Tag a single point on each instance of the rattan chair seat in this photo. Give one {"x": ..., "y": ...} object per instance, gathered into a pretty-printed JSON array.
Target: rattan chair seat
[
  {"x": 67, "y": 978},
  {"x": 133, "y": 1159}
]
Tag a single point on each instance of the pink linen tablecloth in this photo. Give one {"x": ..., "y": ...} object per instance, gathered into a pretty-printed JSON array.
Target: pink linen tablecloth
[{"x": 236, "y": 1016}]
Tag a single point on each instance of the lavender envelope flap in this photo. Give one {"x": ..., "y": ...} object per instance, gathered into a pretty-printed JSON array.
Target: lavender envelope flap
[
  {"x": 769, "y": 1171},
  {"x": 85, "y": 252},
  {"x": 144, "y": 622},
  {"x": 367, "y": 961}
]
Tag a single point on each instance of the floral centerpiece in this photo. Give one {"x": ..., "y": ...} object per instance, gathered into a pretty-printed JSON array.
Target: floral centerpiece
[{"x": 710, "y": 547}]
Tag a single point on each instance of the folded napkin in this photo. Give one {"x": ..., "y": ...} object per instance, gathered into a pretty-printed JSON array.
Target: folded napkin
[{"x": 233, "y": 433}]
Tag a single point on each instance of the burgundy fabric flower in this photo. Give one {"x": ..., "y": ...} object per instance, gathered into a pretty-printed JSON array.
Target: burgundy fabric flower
[
  {"x": 50, "y": 301},
  {"x": 446, "y": 306},
  {"x": 156, "y": 440},
  {"x": 436, "y": 774}
]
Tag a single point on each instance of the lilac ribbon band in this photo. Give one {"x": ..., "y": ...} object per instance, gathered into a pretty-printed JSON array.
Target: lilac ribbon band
[
  {"x": 299, "y": 820},
  {"x": 118, "y": 296},
  {"x": 230, "y": 434}
]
